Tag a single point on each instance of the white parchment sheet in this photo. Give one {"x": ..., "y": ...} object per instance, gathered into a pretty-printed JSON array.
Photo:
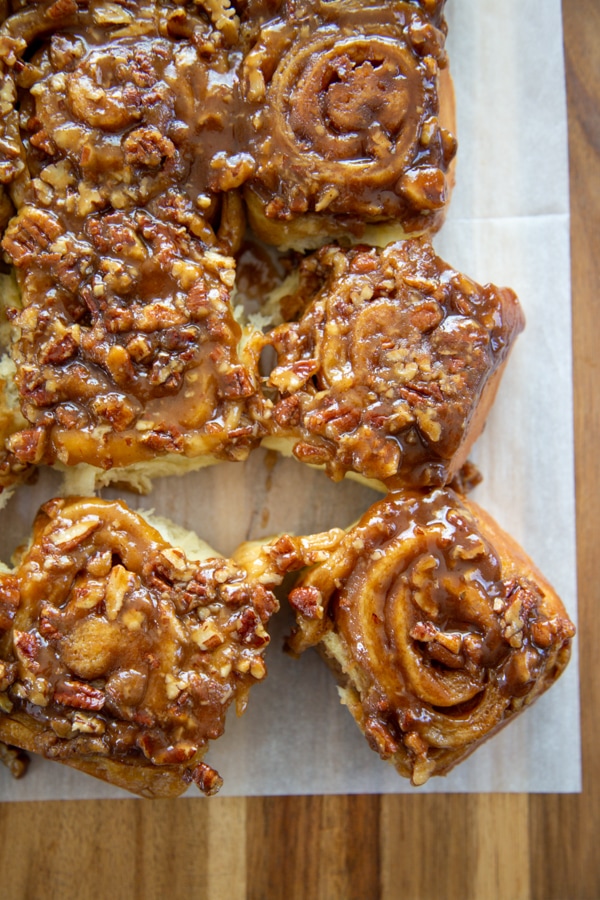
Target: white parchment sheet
[{"x": 509, "y": 224}]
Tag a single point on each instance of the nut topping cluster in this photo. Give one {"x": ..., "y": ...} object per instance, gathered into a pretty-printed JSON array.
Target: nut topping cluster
[
  {"x": 133, "y": 138},
  {"x": 116, "y": 646},
  {"x": 150, "y": 152},
  {"x": 392, "y": 356},
  {"x": 438, "y": 626}
]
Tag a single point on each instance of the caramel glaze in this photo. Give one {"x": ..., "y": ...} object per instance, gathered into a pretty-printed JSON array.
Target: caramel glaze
[
  {"x": 115, "y": 648},
  {"x": 345, "y": 127},
  {"x": 392, "y": 365},
  {"x": 128, "y": 133},
  {"x": 127, "y": 345},
  {"x": 437, "y": 624}
]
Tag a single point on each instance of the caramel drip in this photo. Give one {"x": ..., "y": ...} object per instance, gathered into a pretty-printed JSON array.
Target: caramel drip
[
  {"x": 439, "y": 635},
  {"x": 347, "y": 115},
  {"x": 385, "y": 369},
  {"x": 118, "y": 646}
]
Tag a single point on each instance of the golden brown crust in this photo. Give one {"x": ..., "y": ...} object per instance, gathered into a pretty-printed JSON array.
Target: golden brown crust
[
  {"x": 120, "y": 656},
  {"x": 438, "y": 626},
  {"x": 392, "y": 365}
]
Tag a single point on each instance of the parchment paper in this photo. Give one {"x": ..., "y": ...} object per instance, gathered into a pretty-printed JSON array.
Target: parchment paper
[{"x": 509, "y": 224}]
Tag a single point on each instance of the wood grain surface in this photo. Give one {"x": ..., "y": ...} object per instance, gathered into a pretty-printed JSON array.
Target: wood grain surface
[{"x": 511, "y": 847}]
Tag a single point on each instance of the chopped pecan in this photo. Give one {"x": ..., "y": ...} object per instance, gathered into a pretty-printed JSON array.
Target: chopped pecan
[
  {"x": 14, "y": 759},
  {"x": 78, "y": 695},
  {"x": 163, "y": 441},
  {"x": 208, "y": 780},
  {"x": 265, "y": 602},
  {"x": 286, "y": 554},
  {"x": 287, "y": 412},
  {"x": 8, "y": 674},
  {"x": 10, "y": 595},
  {"x": 58, "y": 349},
  {"x": 308, "y": 601},
  {"x": 155, "y": 750},
  {"x": 69, "y": 536},
  {"x": 27, "y": 647},
  {"x": 31, "y": 233},
  {"x": 120, "y": 583},
  {"x": 62, "y": 9},
  {"x": 332, "y": 422},
  {"x": 236, "y": 384},
  {"x": 200, "y": 591},
  {"x": 250, "y": 630},
  {"x": 380, "y": 738},
  {"x": 146, "y": 146},
  {"x": 29, "y": 445},
  {"x": 312, "y": 454},
  {"x": 208, "y": 636}
]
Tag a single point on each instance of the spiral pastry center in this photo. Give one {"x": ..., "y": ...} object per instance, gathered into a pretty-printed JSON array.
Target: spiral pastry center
[
  {"x": 352, "y": 97},
  {"x": 422, "y": 618}
]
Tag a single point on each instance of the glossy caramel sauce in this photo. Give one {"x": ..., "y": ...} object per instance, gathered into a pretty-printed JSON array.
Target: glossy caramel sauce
[
  {"x": 118, "y": 646},
  {"x": 439, "y": 626},
  {"x": 129, "y": 133},
  {"x": 385, "y": 369}
]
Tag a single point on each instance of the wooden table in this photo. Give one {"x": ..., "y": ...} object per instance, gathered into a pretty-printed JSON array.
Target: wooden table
[{"x": 513, "y": 847}]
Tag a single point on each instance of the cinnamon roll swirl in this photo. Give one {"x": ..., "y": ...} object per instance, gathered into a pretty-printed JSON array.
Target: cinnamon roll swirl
[
  {"x": 119, "y": 653},
  {"x": 437, "y": 625},
  {"x": 392, "y": 366},
  {"x": 346, "y": 121}
]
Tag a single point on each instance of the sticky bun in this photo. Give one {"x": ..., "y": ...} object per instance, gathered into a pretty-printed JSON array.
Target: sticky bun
[
  {"x": 126, "y": 346},
  {"x": 348, "y": 120},
  {"x": 131, "y": 143},
  {"x": 128, "y": 352},
  {"x": 392, "y": 364},
  {"x": 137, "y": 141},
  {"x": 437, "y": 625},
  {"x": 120, "y": 653}
]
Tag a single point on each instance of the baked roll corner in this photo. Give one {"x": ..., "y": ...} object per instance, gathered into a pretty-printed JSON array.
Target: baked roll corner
[
  {"x": 437, "y": 626},
  {"x": 120, "y": 653}
]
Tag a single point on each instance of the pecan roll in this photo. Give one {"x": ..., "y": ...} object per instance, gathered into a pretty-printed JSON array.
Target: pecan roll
[
  {"x": 392, "y": 366},
  {"x": 127, "y": 351},
  {"x": 114, "y": 101},
  {"x": 437, "y": 625},
  {"x": 344, "y": 121},
  {"x": 126, "y": 344},
  {"x": 119, "y": 653},
  {"x": 118, "y": 105}
]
